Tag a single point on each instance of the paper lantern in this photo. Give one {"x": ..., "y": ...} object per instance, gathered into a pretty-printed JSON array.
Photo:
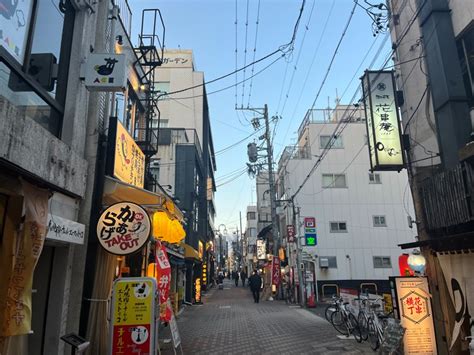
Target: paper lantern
[
  {"x": 161, "y": 225},
  {"x": 417, "y": 262},
  {"x": 403, "y": 266}
]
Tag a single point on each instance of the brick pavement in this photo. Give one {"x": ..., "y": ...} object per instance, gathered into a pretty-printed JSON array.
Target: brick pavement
[{"x": 229, "y": 322}]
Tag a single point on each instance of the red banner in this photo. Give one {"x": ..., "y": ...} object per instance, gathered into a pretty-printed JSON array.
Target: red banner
[
  {"x": 290, "y": 232},
  {"x": 163, "y": 272},
  {"x": 275, "y": 270}
]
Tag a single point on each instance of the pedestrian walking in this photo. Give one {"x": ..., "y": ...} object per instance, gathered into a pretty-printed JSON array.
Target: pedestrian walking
[
  {"x": 255, "y": 282},
  {"x": 236, "y": 279},
  {"x": 243, "y": 276}
]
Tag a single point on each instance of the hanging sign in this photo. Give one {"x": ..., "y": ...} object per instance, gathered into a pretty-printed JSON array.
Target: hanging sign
[
  {"x": 383, "y": 124},
  {"x": 416, "y": 315},
  {"x": 65, "y": 230},
  {"x": 197, "y": 289},
  {"x": 126, "y": 160},
  {"x": 261, "y": 249},
  {"x": 175, "y": 332},
  {"x": 106, "y": 72},
  {"x": 310, "y": 235},
  {"x": 290, "y": 232},
  {"x": 275, "y": 270},
  {"x": 163, "y": 272},
  {"x": 123, "y": 228},
  {"x": 133, "y": 316}
]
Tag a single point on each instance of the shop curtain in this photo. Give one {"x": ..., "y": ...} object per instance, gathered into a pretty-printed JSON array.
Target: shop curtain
[{"x": 98, "y": 324}]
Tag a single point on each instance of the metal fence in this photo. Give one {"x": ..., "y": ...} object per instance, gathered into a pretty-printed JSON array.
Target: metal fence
[{"x": 125, "y": 14}]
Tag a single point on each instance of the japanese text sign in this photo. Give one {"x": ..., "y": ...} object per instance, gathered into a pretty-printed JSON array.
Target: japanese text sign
[
  {"x": 416, "y": 315},
  {"x": 133, "y": 316},
  {"x": 383, "y": 126},
  {"x": 261, "y": 249},
  {"x": 163, "y": 272},
  {"x": 123, "y": 228},
  {"x": 310, "y": 235},
  {"x": 275, "y": 270},
  {"x": 127, "y": 161},
  {"x": 178, "y": 59},
  {"x": 106, "y": 72},
  {"x": 290, "y": 232}
]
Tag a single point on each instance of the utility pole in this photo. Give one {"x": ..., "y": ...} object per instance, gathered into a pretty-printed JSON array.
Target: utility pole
[
  {"x": 299, "y": 261},
  {"x": 241, "y": 241},
  {"x": 271, "y": 182}
]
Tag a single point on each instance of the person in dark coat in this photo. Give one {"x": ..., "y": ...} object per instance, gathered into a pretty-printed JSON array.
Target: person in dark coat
[
  {"x": 255, "y": 282},
  {"x": 243, "y": 276},
  {"x": 236, "y": 279}
]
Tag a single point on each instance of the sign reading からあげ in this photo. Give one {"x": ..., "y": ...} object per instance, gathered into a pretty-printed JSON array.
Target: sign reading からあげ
[{"x": 123, "y": 228}]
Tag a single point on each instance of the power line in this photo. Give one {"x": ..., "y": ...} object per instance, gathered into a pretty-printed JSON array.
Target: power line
[
  {"x": 223, "y": 150},
  {"x": 245, "y": 52},
  {"x": 254, "y": 51}
]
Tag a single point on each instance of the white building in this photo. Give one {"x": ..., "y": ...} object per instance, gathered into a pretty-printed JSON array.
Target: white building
[
  {"x": 360, "y": 217},
  {"x": 250, "y": 238}
]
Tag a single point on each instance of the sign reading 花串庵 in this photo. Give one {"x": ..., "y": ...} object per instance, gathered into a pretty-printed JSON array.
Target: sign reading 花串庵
[
  {"x": 106, "y": 72},
  {"x": 133, "y": 316},
  {"x": 65, "y": 230},
  {"x": 261, "y": 249},
  {"x": 416, "y": 315},
  {"x": 126, "y": 160},
  {"x": 383, "y": 124},
  {"x": 123, "y": 228},
  {"x": 310, "y": 235}
]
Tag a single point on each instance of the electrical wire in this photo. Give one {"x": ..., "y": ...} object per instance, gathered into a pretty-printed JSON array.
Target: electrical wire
[
  {"x": 245, "y": 52},
  {"x": 254, "y": 51},
  {"x": 223, "y": 150}
]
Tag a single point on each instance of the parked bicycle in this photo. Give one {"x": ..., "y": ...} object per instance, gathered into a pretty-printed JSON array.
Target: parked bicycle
[{"x": 344, "y": 321}]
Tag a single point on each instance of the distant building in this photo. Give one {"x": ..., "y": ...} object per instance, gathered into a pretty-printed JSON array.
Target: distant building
[
  {"x": 185, "y": 163},
  {"x": 361, "y": 217},
  {"x": 251, "y": 238}
]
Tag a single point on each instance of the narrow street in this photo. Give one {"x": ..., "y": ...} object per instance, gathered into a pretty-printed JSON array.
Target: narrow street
[{"x": 229, "y": 322}]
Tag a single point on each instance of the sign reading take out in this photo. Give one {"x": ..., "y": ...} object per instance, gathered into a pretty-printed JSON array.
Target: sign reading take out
[{"x": 123, "y": 228}]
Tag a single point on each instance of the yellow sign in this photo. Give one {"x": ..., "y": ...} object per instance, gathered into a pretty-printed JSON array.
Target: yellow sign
[
  {"x": 201, "y": 249},
  {"x": 133, "y": 301},
  {"x": 383, "y": 126},
  {"x": 197, "y": 286},
  {"x": 388, "y": 307},
  {"x": 204, "y": 273},
  {"x": 129, "y": 160},
  {"x": 416, "y": 315}
]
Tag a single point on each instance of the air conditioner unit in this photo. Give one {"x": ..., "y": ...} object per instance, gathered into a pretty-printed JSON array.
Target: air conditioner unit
[
  {"x": 323, "y": 263},
  {"x": 155, "y": 164}
]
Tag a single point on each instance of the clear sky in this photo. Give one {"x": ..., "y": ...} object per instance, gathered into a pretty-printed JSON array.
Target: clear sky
[{"x": 289, "y": 86}]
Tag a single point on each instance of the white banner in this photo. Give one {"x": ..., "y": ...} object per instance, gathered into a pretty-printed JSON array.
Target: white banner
[
  {"x": 65, "y": 230},
  {"x": 459, "y": 276}
]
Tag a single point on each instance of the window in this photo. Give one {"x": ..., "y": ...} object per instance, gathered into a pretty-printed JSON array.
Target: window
[
  {"x": 336, "y": 142},
  {"x": 379, "y": 221},
  {"x": 251, "y": 215},
  {"x": 33, "y": 87},
  {"x": 253, "y": 232},
  {"x": 162, "y": 87},
  {"x": 328, "y": 262},
  {"x": 465, "y": 45},
  {"x": 163, "y": 123},
  {"x": 338, "y": 227},
  {"x": 382, "y": 262},
  {"x": 374, "y": 178},
  {"x": 334, "y": 180}
]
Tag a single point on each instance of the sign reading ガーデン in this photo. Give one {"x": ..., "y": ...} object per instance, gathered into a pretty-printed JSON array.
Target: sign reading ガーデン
[
  {"x": 123, "y": 228},
  {"x": 383, "y": 125}
]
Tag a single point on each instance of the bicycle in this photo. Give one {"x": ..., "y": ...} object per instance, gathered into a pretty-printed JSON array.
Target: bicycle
[
  {"x": 376, "y": 324},
  {"x": 333, "y": 307},
  {"x": 345, "y": 322}
]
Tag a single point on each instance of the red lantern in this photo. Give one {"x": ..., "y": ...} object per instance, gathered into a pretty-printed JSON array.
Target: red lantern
[{"x": 403, "y": 265}]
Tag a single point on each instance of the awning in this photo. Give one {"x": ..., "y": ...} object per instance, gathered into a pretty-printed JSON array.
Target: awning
[
  {"x": 117, "y": 191},
  {"x": 264, "y": 231},
  {"x": 190, "y": 252},
  {"x": 456, "y": 242}
]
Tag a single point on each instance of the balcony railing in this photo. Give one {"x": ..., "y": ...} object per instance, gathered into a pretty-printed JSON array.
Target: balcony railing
[{"x": 448, "y": 197}]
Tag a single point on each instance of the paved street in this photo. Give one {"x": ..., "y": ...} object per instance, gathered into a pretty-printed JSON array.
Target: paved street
[{"x": 229, "y": 322}]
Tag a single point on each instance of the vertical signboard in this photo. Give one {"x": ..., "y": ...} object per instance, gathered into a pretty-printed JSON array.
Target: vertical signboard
[
  {"x": 275, "y": 270},
  {"x": 310, "y": 234},
  {"x": 106, "y": 72},
  {"x": 133, "y": 316},
  {"x": 416, "y": 315},
  {"x": 383, "y": 124},
  {"x": 290, "y": 232},
  {"x": 126, "y": 160},
  {"x": 261, "y": 249}
]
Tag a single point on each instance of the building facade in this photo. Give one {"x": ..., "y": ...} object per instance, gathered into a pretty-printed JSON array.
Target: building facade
[
  {"x": 360, "y": 217},
  {"x": 185, "y": 162},
  {"x": 437, "y": 115}
]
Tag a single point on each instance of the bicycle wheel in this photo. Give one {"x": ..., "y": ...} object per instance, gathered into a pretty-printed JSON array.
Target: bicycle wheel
[
  {"x": 354, "y": 327},
  {"x": 338, "y": 322},
  {"x": 362, "y": 319},
  {"x": 373, "y": 336},
  {"x": 329, "y": 311}
]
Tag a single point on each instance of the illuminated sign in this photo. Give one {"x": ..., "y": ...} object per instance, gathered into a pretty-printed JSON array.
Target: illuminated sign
[
  {"x": 200, "y": 249},
  {"x": 261, "y": 249},
  {"x": 310, "y": 235},
  {"x": 126, "y": 160},
  {"x": 204, "y": 274},
  {"x": 197, "y": 287},
  {"x": 383, "y": 125},
  {"x": 106, "y": 72},
  {"x": 123, "y": 228},
  {"x": 133, "y": 316},
  {"x": 290, "y": 232},
  {"x": 416, "y": 315}
]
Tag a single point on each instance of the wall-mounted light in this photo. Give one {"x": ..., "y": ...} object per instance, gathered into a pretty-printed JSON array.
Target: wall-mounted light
[
  {"x": 417, "y": 262},
  {"x": 119, "y": 40},
  {"x": 142, "y": 87}
]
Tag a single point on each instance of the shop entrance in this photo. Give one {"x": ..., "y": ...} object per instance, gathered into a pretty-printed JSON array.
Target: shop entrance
[{"x": 41, "y": 286}]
